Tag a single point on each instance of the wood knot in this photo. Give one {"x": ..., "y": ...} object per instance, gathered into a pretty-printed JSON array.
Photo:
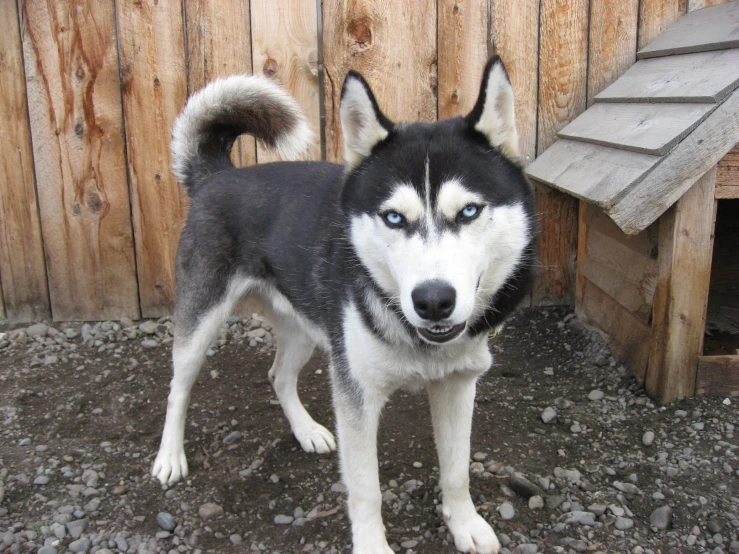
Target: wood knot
[
  {"x": 361, "y": 32},
  {"x": 76, "y": 209},
  {"x": 455, "y": 9},
  {"x": 80, "y": 73},
  {"x": 455, "y": 97},
  {"x": 94, "y": 201},
  {"x": 270, "y": 68},
  {"x": 79, "y": 129},
  {"x": 158, "y": 178},
  {"x": 157, "y": 83}
]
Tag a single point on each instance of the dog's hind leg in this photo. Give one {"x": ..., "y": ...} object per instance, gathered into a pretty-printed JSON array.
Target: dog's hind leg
[
  {"x": 294, "y": 349},
  {"x": 193, "y": 336}
]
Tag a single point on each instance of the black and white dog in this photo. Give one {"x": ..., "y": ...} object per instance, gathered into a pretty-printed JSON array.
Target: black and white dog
[{"x": 397, "y": 265}]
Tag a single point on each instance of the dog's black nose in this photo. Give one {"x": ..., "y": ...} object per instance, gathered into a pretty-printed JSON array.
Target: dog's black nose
[{"x": 434, "y": 300}]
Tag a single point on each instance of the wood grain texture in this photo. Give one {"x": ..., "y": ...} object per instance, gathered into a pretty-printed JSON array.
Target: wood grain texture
[
  {"x": 74, "y": 100},
  {"x": 717, "y": 376},
  {"x": 463, "y": 51},
  {"x": 647, "y": 128},
  {"x": 154, "y": 91},
  {"x": 676, "y": 173},
  {"x": 703, "y": 30},
  {"x": 700, "y": 4},
  {"x": 655, "y": 16},
  {"x": 514, "y": 30},
  {"x": 590, "y": 172},
  {"x": 611, "y": 43},
  {"x": 218, "y": 45},
  {"x": 728, "y": 170},
  {"x": 373, "y": 37},
  {"x": 625, "y": 275},
  {"x": 285, "y": 48},
  {"x": 24, "y": 292},
  {"x": 563, "y": 56},
  {"x": 626, "y": 334},
  {"x": 681, "y": 295},
  {"x": 702, "y": 77},
  {"x": 644, "y": 243}
]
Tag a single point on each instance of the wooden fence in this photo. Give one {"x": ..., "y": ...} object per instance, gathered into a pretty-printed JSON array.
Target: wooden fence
[{"x": 89, "y": 89}]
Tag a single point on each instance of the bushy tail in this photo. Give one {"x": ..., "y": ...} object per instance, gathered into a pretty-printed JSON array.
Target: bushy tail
[{"x": 215, "y": 116}]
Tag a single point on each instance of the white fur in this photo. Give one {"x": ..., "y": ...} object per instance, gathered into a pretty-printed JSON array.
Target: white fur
[
  {"x": 488, "y": 249},
  {"x": 359, "y": 124},
  {"x": 405, "y": 201},
  {"x": 498, "y": 119},
  {"x": 240, "y": 93}
]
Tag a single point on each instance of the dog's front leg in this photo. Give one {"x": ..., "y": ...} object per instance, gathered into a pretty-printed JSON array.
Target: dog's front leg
[
  {"x": 358, "y": 415},
  {"x": 452, "y": 401}
]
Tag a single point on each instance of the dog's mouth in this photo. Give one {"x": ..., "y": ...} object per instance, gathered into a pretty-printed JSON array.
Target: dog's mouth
[{"x": 441, "y": 333}]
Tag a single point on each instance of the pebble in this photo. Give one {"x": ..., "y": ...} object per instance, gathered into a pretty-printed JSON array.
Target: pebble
[
  {"x": 536, "y": 502},
  {"x": 80, "y": 545},
  {"x": 526, "y": 548},
  {"x": 282, "y": 519},
  {"x": 596, "y": 395},
  {"x": 661, "y": 517},
  {"x": 149, "y": 343},
  {"x": 628, "y": 488},
  {"x": 166, "y": 521},
  {"x": 648, "y": 438},
  {"x": 47, "y": 550},
  {"x": 77, "y": 527},
  {"x": 523, "y": 486},
  {"x": 209, "y": 511},
  {"x": 548, "y": 414},
  {"x": 236, "y": 538},
  {"x": 623, "y": 523},
  {"x": 232, "y": 437},
  {"x": 506, "y": 511},
  {"x": 41, "y": 480},
  {"x": 37, "y": 330}
]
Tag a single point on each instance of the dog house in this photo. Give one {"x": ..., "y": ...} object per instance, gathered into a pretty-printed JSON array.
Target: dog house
[{"x": 655, "y": 164}]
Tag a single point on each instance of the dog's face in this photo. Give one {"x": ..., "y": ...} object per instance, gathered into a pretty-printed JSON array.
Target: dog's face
[{"x": 440, "y": 213}]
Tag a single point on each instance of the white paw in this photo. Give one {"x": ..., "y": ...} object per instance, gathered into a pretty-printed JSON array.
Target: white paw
[
  {"x": 315, "y": 438},
  {"x": 170, "y": 465},
  {"x": 473, "y": 534}
]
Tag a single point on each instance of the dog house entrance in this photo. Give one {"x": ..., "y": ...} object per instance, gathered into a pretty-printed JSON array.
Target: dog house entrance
[{"x": 722, "y": 321}]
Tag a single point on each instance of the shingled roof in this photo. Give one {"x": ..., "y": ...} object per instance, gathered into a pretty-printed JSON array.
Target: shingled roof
[{"x": 656, "y": 130}]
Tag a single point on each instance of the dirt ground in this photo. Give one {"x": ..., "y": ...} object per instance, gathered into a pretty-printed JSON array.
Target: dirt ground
[{"x": 103, "y": 411}]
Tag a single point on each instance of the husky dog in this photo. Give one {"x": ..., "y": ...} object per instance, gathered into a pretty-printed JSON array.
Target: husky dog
[{"x": 397, "y": 264}]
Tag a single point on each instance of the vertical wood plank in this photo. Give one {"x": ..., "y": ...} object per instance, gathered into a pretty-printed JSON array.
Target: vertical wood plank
[
  {"x": 285, "y": 48},
  {"x": 71, "y": 64},
  {"x": 218, "y": 45},
  {"x": 562, "y": 96},
  {"x": 681, "y": 296},
  {"x": 463, "y": 51},
  {"x": 655, "y": 16},
  {"x": 700, "y": 4},
  {"x": 24, "y": 295},
  {"x": 154, "y": 91},
  {"x": 612, "y": 42},
  {"x": 515, "y": 36},
  {"x": 393, "y": 44}
]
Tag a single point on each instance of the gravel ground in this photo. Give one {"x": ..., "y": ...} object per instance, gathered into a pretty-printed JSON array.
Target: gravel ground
[{"x": 569, "y": 453}]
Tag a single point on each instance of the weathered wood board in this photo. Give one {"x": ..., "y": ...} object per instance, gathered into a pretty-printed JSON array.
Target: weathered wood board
[
  {"x": 152, "y": 49},
  {"x": 700, "y": 4},
  {"x": 285, "y": 48},
  {"x": 24, "y": 292},
  {"x": 644, "y": 243},
  {"x": 589, "y": 171},
  {"x": 562, "y": 96},
  {"x": 727, "y": 177},
  {"x": 643, "y": 203},
  {"x": 514, "y": 29},
  {"x": 611, "y": 42},
  {"x": 647, "y": 128},
  {"x": 703, "y": 30},
  {"x": 624, "y": 274},
  {"x": 681, "y": 295},
  {"x": 366, "y": 35},
  {"x": 655, "y": 16},
  {"x": 71, "y": 64},
  {"x": 718, "y": 376},
  {"x": 463, "y": 51},
  {"x": 702, "y": 77},
  {"x": 218, "y": 45},
  {"x": 626, "y": 334}
]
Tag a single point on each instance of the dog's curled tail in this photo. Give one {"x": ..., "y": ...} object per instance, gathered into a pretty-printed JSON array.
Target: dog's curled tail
[{"x": 215, "y": 116}]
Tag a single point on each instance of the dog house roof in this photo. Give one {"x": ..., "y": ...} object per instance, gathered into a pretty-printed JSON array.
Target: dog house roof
[{"x": 651, "y": 134}]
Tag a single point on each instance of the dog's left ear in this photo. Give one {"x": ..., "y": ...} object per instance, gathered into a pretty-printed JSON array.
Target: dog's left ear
[
  {"x": 493, "y": 114},
  {"x": 362, "y": 122}
]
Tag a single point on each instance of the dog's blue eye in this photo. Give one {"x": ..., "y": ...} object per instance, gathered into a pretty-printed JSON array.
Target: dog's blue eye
[
  {"x": 394, "y": 219},
  {"x": 469, "y": 211}
]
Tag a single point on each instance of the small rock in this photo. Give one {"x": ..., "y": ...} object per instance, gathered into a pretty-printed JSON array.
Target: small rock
[
  {"x": 661, "y": 517},
  {"x": 209, "y": 511},
  {"x": 148, "y": 327},
  {"x": 628, "y": 488},
  {"x": 548, "y": 414},
  {"x": 232, "y": 437},
  {"x": 506, "y": 511},
  {"x": 37, "y": 330},
  {"x": 409, "y": 544},
  {"x": 536, "y": 502},
  {"x": 526, "y": 548},
  {"x": 648, "y": 438},
  {"x": 166, "y": 521},
  {"x": 596, "y": 395},
  {"x": 77, "y": 527},
  {"x": 149, "y": 343},
  {"x": 282, "y": 519},
  {"x": 236, "y": 539},
  {"x": 623, "y": 523},
  {"x": 80, "y": 545},
  {"x": 47, "y": 550},
  {"x": 524, "y": 487},
  {"x": 41, "y": 480}
]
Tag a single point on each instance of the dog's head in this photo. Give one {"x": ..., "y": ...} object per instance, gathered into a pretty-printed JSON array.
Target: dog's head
[{"x": 441, "y": 213}]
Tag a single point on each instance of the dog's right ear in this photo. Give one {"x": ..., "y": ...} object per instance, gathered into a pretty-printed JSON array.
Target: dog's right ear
[{"x": 362, "y": 122}]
